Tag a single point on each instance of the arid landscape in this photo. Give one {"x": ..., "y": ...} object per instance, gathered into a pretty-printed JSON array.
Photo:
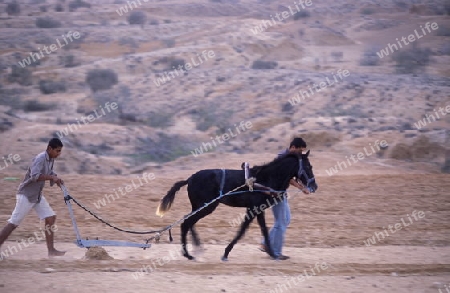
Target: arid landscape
[{"x": 171, "y": 87}]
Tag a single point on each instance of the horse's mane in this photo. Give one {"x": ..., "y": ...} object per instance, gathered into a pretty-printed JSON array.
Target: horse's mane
[{"x": 258, "y": 168}]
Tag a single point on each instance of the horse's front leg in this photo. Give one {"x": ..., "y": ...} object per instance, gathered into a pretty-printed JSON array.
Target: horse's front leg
[
  {"x": 262, "y": 224},
  {"x": 249, "y": 216}
]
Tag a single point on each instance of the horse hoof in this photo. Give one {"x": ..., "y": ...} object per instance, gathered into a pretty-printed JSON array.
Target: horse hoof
[
  {"x": 224, "y": 258},
  {"x": 189, "y": 257}
]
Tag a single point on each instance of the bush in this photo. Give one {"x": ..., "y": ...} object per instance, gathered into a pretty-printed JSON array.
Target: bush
[
  {"x": 370, "y": 57},
  {"x": 13, "y": 97},
  {"x": 443, "y": 31},
  {"x": 162, "y": 149},
  {"x": 176, "y": 62},
  {"x": 47, "y": 22},
  {"x": 59, "y": 7},
  {"x": 302, "y": 14},
  {"x": 20, "y": 75},
  {"x": 74, "y": 5},
  {"x": 160, "y": 119},
  {"x": 402, "y": 5},
  {"x": 446, "y": 167},
  {"x": 101, "y": 79},
  {"x": 287, "y": 107},
  {"x": 48, "y": 87},
  {"x": 211, "y": 114},
  {"x": 447, "y": 7},
  {"x": 13, "y": 8},
  {"x": 69, "y": 61},
  {"x": 367, "y": 11},
  {"x": 128, "y": 41},
  {"x": 5, "y": 125},
  {"x": 137, "y": 17},
  {"x": 36, "y": 106},
  {"x": 337, "y": 56},
  {"x": 410, "y": 61},
  {"x": 170, "y": 43},
  {"x": 445, "y": 49},
  {"x": 259, "y": 64},
  {"x": 154, "y": 22}
]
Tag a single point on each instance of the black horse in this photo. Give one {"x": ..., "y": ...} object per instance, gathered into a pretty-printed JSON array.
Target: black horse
[{"x": 205, "y": 185}]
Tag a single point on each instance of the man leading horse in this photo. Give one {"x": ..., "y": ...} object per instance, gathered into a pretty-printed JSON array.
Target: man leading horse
[{"x": 205, "y": 186}]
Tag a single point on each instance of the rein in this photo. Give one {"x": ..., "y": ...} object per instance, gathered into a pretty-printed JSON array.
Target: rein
[{"x": 301, "y": 172}]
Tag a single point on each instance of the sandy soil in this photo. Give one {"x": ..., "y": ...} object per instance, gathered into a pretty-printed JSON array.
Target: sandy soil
[{"x": 328, "y": 228}]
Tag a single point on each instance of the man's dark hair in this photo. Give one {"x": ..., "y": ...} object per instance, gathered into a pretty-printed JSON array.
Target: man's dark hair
[
  {"x": 298, "y": 142},
  {"x": 55, "y": 143}
]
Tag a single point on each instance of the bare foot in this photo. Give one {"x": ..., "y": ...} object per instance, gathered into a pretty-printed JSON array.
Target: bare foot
[{"x": 55, "y": 252}]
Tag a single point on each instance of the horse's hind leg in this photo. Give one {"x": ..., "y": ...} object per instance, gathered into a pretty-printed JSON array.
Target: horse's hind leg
[
  {"x": 195, "y": 238},
  {"x": 189, "y": 223},
  {"x": 249, "y": 216},
  {"x": 262, "y": 224},
  {"x": 184, "y": 230}
]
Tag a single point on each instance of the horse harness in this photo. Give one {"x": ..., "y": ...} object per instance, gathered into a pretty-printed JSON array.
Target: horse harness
[{"x": 251, "y": 181}]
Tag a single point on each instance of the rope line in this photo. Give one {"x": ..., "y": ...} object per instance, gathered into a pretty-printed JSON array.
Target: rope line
[{"x": 68, "y": 197}]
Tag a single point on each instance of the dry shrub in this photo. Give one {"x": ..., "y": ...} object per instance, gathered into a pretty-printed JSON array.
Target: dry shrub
[
  {"x": 319, "y": 139},
  {"x": 402, "y": 152},
  {"x": 418, "y": 9},
  {"x": 446, "y": 167},
  {"x": 421, "y": 149}
]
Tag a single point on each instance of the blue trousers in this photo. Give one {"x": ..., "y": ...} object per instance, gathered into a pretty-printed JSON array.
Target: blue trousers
[{"x": 282, "y": 216}]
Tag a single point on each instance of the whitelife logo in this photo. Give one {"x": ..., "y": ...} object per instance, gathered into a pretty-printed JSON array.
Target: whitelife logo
[
  {"x": 284, "y": 15},
  {"x": 71, "y": 127},
  {"x": 356, "y": 158},
  {"x": 108, "y": 198},
  {"x": 53, "y": 48},
  {"x": 124, "y": 9},
  {"x": 206, "y": 146},
  {"x": 422, "y": 123},
  {"x": 323, "y": 85},
  {"x": 11, "y": 250},
  {"x": 183, "y": 68},
  {"x": 398, "y": 226},
  {"x": 411, "y": 38},
  {"x": 12, "y": 159}
]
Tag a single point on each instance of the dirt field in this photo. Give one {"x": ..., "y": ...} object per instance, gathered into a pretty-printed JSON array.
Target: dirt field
[
  {"x": 328, "y": 230},
  {"x": 397, "y": 199}
]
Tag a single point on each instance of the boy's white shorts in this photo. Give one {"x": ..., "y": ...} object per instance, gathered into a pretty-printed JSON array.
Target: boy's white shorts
[{"x": 23, "y": 207}]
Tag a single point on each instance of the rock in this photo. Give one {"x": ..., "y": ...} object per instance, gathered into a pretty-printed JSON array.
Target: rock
[{"x": 48, "y": 270}]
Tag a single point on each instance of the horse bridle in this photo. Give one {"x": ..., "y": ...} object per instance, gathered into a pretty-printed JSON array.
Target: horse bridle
[{"x": 301, "y": 171}]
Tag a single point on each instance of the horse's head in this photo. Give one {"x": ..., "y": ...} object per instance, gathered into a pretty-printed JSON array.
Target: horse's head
[
  {"x": 305, "y": 173},
  {"x": 278, "y": 173}
]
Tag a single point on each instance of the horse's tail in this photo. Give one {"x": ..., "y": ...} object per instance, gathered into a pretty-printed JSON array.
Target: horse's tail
[{"x": 166, "y": 201}]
